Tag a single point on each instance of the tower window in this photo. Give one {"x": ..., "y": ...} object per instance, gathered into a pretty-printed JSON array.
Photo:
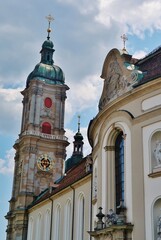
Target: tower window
[
  {"x": 46, "y": 128},
  {"x": 48, "y": 102},
  {"x": 119, "y": 169},
  {"x": 48, "y": 56}
]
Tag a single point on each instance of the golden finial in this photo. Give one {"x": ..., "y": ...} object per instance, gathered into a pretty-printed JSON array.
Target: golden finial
[
  {"x": 124, "y": 38},
  {"x": 50, "y": 19}
]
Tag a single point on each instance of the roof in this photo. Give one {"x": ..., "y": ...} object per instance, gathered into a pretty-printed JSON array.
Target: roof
[
  {"x": 150, "y": 65},
  {"x": 74, "y": 175}
]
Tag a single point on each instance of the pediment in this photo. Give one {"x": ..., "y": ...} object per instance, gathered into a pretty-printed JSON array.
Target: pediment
[{"x": 119, "y": 76}]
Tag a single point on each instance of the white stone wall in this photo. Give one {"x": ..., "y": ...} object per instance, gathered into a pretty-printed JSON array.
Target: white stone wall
[
  {"x": 152, "y": 186},
  {"x": 64, "y": 221}
]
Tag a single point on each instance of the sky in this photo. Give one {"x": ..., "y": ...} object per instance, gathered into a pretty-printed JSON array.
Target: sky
[{"x": 83, "y": 33}]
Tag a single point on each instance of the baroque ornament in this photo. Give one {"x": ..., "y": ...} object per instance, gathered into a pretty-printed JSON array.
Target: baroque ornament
[{"x": 118, "y": 80}]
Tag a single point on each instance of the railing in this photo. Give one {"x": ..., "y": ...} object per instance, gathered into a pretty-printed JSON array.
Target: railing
[{"x": 44, "y": 135}]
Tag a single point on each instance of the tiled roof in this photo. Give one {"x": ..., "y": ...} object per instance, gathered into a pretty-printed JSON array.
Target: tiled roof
[
  {"x": 150, "y": 66},
  {"x": 72, "y": 176}
]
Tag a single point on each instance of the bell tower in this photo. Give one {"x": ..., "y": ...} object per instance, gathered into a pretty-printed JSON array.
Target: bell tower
[{"x": 41, "y": 147}]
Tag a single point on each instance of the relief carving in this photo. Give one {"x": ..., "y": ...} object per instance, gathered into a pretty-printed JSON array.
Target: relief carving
[
  {"x": 30, "y": 149},
  {"x": 39, "y": 92},
  {"x": 119, "y": 79}
]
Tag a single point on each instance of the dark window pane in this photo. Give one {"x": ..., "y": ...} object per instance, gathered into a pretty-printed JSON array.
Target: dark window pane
[{"x": 119, "y": 169}]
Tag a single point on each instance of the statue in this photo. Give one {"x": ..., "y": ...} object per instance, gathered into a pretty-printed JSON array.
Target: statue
[
  {"x": 111, "y": 218},
  {"x": 159, "y": 228},
  {"x": 157, "y": 153}
]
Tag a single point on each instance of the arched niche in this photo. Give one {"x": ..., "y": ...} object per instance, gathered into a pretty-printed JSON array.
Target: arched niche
[
  {"x": 157, "y": 219},
  {"x": 156, "y": 151}
]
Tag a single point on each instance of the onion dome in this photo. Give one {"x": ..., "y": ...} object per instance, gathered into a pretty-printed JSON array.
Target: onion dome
[
  {"x": 46, "y": 71},
  {"x": 50, "y": 74},
  {"x": 48, "y": 44},
  {"x": 78, "y": 136}
]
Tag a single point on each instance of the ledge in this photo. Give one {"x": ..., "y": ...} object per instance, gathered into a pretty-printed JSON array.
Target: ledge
[
  {"x": 113, "y": 228},
  {"x": 155, "y": 174}
]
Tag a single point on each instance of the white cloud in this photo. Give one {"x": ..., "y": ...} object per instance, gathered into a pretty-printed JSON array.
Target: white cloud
[
  {"x": 84, "y": 6},
  {"x": 131, "y": 16},
  {"x": 140, "y": 54},
  {"x": 12, "y": 29},
  {"x": 83, "y": 95},
  {"x": 7, "y": 164},
  {"x": 11, "y": 110}
]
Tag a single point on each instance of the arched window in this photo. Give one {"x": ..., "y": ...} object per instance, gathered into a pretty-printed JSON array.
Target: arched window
[
  {"x": 119, "y": 170},
  {"x": 68, "y": 221},
  {"x": 30, "y": 229},
  {"x": 46, "y": 128},
  {"x": 156, "y": 151},
  {"x": 38, "y": 227},
  {"x": 47, "y": 225},
  {"x": 57, "y": 227},
  {"x": 80, "y": 226},
  {"x": 157, "y": 218}
]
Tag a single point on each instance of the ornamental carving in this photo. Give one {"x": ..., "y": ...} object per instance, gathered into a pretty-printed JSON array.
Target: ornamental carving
[
  {"x": 119, "y": 75},
  {"x": 30, "y": 149},
  {"x": 40, "y": 91}
]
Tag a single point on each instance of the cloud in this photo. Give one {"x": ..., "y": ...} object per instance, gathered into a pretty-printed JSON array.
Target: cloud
[
  {"x": 140, "y": 54},
  {"x": 134, "y": 17},
  {"x": 11, "y": 110},
  {"x": 84, "y": 6},
  {"x": 7, "y": 164},
  {"x": 83, "y": 95}
]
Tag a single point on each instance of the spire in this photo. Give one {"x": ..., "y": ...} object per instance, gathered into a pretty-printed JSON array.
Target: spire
[
  {"x": 77, "y": 149},
  {"x": 78, "y": 143},
  {"x": 45, "y": 70},
  {"x": 78, "y": 123},
  {"x": 47, "y": 47},
  {"x": 50, "y": 19}
]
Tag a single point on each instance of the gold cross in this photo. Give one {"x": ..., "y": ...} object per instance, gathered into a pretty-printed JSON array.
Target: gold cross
[
  {"x": 50, "y": 19},
  {"x": 124, "y": 38}
]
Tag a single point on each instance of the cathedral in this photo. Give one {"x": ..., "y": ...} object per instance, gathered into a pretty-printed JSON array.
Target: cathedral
[{"x": 112, "y": 193}]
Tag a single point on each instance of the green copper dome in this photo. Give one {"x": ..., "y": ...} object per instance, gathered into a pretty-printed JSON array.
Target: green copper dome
[
  {"x": 46, "y": 71},
  {"x": 50, "y": 74},
  {"x": 48, "y": 44}
]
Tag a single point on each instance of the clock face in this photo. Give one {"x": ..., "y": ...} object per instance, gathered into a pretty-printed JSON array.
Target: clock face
[{"x": 45, "y": 163}]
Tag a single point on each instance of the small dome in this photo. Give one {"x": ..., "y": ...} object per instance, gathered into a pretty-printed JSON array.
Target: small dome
[
  {"x": 50, "y": 74},
  {"x": 48, "y": 44},
  {"x": 78, "y": 136}
]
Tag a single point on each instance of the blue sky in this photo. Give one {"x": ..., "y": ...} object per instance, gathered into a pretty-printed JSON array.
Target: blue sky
[{"x": 83, "y": 33}]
